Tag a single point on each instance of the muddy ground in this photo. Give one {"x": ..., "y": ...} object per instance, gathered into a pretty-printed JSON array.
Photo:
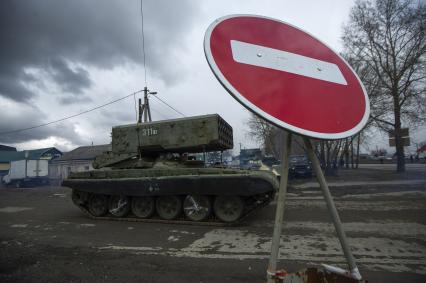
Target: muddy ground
[{"x": 44, "y": 238}]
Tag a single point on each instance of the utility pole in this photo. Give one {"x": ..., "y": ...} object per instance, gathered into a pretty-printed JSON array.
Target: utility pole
[{"x": 144, "y": 109}]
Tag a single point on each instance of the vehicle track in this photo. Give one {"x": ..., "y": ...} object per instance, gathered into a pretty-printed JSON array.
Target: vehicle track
[{"x": 212, "y": 221}]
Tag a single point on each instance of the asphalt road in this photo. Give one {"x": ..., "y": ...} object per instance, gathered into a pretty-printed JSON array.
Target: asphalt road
[
  {"x": 44, "y": 238},
  {"x": 414, "y": 167}
]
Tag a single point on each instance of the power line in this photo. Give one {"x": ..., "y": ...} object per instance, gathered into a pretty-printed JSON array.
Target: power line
[
  {"x": 143, "y": 43},
  {"x": 177, "y": 111},
  {"x": 72, "y": 116},
  {"x": 144, "y": 62},
  {"x": 161, "y": 114}
]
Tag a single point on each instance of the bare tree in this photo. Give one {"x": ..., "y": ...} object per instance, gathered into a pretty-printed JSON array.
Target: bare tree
[
  {"x": 386, "y": 39},
  {"x": 264, "y": 133},
  {"x": 330, "y": 153},
  {"x": 327, "y": 152},
  {"x": 271, "y": 138}
]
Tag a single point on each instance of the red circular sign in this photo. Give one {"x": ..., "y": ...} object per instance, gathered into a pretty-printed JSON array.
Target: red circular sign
[{"x": 287, "y": 76}]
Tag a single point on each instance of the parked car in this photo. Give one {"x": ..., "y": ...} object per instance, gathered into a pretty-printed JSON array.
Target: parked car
[{"x": 299, "y": 166}]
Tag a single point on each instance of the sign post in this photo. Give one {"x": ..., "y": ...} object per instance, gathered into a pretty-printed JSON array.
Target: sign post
[
  {"x": 333, "y": 211},
  {"x": 279, "y": 213},
  {"x": 293, "y": 80}
]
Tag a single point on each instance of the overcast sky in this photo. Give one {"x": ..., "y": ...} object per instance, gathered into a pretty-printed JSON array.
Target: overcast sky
[{"x": 59, "y": 57}]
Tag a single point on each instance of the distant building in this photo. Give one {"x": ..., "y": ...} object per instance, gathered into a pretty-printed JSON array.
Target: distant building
[
  {"x": 9, "y": 155},
  {"x": 77, "y": 160}
]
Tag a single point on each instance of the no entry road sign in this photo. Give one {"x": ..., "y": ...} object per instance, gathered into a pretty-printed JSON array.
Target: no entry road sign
[{"x": 287, "y": 76}]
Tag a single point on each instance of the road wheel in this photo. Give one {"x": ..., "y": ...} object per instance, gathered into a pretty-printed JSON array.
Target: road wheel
[
  {"x": 228, "y": 208},
  {"x": 18, "y": 185},
  {"x": 168, "y": 207},
  {"x": 98, "y": 205},
  {"x": 143, "y": 207},
  {"x": 197, "y": 208},
  {"x": 79, "y": 198},
  {"x": 119, "y": 206}
]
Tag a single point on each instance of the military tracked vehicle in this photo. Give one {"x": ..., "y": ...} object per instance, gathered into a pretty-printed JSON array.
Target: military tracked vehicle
[{"x": 152, "y": 173}]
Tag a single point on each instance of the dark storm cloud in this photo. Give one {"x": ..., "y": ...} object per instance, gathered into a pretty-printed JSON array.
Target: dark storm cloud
[
  {"x": 27, "y": 116},
  {"x": 12, "y": 85},
  {"x": 58, "y": 41},
  {"x": 73, "y": 81},
  {"x": 70, "y": 99},
  {"x": 49, "y": 35}
]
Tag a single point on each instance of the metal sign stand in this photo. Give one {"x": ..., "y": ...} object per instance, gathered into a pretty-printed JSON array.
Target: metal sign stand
[
  {"x": 279, "y": 213},
  {"x": 272, "y": 274}
]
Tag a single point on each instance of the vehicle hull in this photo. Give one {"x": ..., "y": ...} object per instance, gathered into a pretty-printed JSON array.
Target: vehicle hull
[{"x": 255, "y": 188}]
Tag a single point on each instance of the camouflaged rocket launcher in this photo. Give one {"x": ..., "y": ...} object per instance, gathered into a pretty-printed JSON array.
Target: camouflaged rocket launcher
[
  {"x": 142, "y": 145},
  {"x": 151, "y": 175}
]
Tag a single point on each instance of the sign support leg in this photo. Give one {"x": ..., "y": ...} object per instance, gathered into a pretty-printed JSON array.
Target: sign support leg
[
  {"x": 333, "y": 211},
  {"x": 279, "y": 214}
]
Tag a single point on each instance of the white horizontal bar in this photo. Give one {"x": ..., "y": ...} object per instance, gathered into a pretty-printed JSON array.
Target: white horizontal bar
[{"x": 279, "y": 60}]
